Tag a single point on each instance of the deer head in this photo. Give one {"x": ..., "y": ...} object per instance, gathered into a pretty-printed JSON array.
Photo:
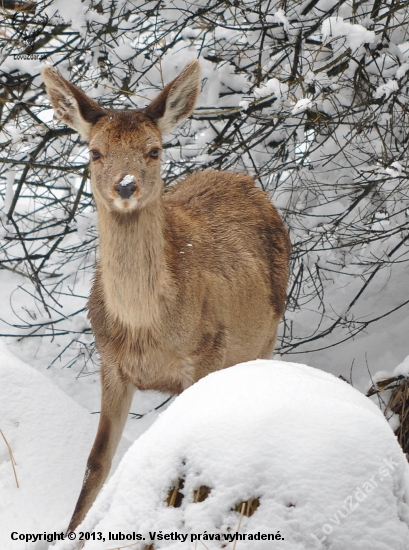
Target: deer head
[{"x": 125, "y": 145}]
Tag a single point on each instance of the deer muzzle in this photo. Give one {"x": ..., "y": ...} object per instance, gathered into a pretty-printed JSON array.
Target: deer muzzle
[
  {"x": 126, "y": 187},
  {"x": 125, "y": 191}
]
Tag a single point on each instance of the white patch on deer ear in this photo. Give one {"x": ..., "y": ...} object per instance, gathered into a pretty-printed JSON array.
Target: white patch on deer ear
[
  {"x": 165, "y": 125},
  {"x": 72, "y": 116},
  {"x": 179, "y": 97},
  {"x": 65, "y": 105}
]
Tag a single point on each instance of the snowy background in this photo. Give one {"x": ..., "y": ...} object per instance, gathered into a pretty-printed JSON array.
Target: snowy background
[{"x": 311, "y": 100}]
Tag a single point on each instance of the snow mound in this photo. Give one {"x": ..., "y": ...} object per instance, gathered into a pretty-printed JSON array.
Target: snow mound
[
  {"x": 50, "y": 437},
  {"x": 317, "y": 454},
  {"x": 403, "y": 368}
]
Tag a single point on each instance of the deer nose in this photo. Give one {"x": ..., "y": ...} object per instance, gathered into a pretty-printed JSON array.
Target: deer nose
[
  {"x": 126, "y": 187},
  {"x": 125, "y": 191}
]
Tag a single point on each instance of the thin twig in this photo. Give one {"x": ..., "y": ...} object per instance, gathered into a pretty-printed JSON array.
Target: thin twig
[
  {"x": 243, "y": 507},
  {"x": 12, "y": 459}
]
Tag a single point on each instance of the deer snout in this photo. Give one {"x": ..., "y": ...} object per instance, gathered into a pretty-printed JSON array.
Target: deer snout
[
  {"x": 125, "y": 191},
  {"x": 126, "y": 187}
]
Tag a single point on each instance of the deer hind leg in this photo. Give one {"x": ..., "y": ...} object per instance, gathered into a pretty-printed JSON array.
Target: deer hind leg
[
  {"x": 210, "y": 354},
  {"x": 116, "y": 401}
]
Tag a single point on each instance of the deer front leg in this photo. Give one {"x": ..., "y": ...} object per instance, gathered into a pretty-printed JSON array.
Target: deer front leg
[{"x": 116, "y": 401}]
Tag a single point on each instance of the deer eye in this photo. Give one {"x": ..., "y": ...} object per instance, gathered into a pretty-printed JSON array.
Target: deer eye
[
  {"x": 95, "y": 155},
  {"x": 154, "y": 154}
]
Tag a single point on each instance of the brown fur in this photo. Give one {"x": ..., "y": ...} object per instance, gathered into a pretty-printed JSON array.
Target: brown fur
[{"x": 188, "y": 281}]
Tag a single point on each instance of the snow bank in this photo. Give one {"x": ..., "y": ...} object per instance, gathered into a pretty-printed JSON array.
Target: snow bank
[
  {"x": 403, "y": 368},
  {"x": 50, "y": 436},
  {"x": 319, "y": 456}
]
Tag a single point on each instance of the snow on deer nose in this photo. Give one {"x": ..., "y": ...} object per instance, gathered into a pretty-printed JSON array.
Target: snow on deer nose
[{"x": 126, "y": 187}]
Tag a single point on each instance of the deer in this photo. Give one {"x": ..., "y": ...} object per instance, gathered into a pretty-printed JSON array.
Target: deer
[{"x": 189, "y": 279}]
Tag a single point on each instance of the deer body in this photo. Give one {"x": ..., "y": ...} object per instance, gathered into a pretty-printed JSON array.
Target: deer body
[
  {"x": 188, "y": 282},
  {"x": 174, "y": 309}
]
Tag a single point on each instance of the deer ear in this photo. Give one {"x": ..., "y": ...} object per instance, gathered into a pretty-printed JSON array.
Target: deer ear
[
  {"x": 70, "y": 103},
  {"x": 177, "y": 100}
]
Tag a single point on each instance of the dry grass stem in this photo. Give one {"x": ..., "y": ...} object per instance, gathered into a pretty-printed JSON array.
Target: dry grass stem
[
  {"x": 12, "y": 459},
  {"x": 201, "y": 493},
  {"x": 243, "y": 507},
  {"x": 250, "y": 506},
  {"x": 175, "y": 497},
  {"x": 398, "y": 403}
]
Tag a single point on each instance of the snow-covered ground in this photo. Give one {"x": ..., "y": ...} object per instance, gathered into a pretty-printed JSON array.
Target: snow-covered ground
[
  {"x": 50, "y": 436},
  {"x": 317, "y": 454}
]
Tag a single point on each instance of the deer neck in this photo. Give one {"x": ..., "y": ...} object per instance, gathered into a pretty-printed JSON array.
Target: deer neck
[{"x": 132, "y": 264}]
